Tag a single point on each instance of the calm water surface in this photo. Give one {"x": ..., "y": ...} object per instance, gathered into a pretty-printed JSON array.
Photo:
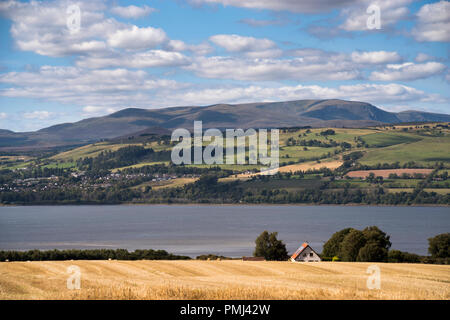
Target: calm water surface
[{"x": 194, "y": 230}]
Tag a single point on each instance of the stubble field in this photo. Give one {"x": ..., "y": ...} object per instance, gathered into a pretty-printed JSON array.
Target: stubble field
[{"x": 221, "y": 280}]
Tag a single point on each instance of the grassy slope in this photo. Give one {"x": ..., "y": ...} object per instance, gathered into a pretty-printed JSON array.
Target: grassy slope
[
  {"x": 384, "y": 146},
  {"x": 427, "y": 150},
  {"x": 221, "y": 280}
]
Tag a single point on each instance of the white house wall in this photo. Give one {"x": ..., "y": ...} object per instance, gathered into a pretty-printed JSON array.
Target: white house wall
[{"x": 308, "y": 257}]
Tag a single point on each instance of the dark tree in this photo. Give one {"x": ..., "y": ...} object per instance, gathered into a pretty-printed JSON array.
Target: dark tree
[
  {"x": 439, "y": 246},
  {"x": 351, "y": 245},
  {"x": 269, "y": 247},
  {"x": 371, "y": 252},
  {"x": 332, "y": 247}
]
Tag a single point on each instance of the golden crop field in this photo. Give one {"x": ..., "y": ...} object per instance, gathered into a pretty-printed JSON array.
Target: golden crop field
[{"x": 221, "y": 280}]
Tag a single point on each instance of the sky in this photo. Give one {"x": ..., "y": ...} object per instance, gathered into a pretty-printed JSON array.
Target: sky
[{"x": 63, "y": 61}]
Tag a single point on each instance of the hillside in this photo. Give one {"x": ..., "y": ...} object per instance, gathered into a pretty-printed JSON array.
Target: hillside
[
  {"x": 125, "y": 280},
  {"x": 411, "y": 164},
  {"x": 314, "y": 113}
]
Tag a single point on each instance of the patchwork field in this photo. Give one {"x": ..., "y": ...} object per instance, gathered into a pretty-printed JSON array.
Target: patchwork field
[{"x": 221, "y": 280}]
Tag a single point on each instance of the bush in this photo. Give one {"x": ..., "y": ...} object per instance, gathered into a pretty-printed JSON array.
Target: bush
[
  {"x": 439, "y": 246},
  {"x": 332, "y": 247},
  {"x": 400, "y": 256},
  {"x": 370, "y": 244},
  {"x": 269, "y": 247},
  {"x": 351, "y": 245},
  {"x": 95, "y": 254}
]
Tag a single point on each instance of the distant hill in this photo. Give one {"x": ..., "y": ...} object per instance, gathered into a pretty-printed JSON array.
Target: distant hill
[{"x": 314, "y": 113}]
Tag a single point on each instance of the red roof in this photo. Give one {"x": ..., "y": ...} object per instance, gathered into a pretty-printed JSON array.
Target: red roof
[{"x": 299, "y": 250}]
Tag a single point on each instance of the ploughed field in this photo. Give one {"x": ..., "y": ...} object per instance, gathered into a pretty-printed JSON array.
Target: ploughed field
[{"x": 221, "y": 280}]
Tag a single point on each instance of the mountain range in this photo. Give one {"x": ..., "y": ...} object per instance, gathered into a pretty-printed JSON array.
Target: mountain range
[{"x": 314, "y": 113}]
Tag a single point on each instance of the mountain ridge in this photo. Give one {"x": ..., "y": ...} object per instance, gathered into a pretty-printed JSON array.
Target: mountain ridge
[{"x": 314, "y": 113}]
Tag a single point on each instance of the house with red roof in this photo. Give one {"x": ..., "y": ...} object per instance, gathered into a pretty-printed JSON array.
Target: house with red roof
[{"x": 305, "y": 254}]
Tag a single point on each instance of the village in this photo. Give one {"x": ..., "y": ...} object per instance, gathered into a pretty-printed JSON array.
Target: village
[{"x": 84, "y": 181}]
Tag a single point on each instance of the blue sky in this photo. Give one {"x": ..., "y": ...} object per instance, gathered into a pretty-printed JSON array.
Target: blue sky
[{"x": 62, "y": 61}]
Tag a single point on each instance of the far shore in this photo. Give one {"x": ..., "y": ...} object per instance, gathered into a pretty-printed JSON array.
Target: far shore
[{"x": 224, "y": 204}]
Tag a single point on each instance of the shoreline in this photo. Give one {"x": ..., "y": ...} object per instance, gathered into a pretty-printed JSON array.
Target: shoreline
[{"x": 222, "y": 205}]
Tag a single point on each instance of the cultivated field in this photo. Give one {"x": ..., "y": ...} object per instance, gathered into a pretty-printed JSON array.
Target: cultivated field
[{"x": 221, "y": 280}]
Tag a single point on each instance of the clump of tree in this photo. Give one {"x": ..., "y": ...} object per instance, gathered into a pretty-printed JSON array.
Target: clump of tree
[
  {"x": 95, "y": 254},
  {"x": 370, "y": 244},
  {"x": 328, "y": 132},
  {"x": 269, "y": 247},
  {"x": 212, "y": 257},
  {"x": 401, "y": 256},
  {"x": 439, "y": 246}
]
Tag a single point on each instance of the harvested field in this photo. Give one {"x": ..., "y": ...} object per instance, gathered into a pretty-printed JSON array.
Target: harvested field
[
  {"x": 221, "y": 280},
  {"x": 311, "y": 165}
]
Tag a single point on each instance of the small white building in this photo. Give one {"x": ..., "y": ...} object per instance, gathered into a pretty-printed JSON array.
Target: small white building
[{"x": 305, "y": 254}]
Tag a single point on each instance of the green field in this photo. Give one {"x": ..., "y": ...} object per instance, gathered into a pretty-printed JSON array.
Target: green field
[
  {"x": 380, "y": 139},
  {"x": 426, "y": 151}
]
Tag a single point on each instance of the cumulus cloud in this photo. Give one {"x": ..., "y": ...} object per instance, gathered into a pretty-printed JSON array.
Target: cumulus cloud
[
  {"x": 236, "y": 43},
  {"x": 199, "y": 49},
  {"x": 137, "y": 38},
  {"x": 41, "y": 27},
  {"x": 391, "y": 11},
  {"x": 78, "y": 86},
  {"x": 433, "y": 22},
  {"x": 252, "y": 47},
  {"x": 132, "y": 12},
  {"x": 147, "y": 59},
  {"x": 40, "y": 115},
  {"x": 99, "y": 92},
  {"x": 422, "y": 57},
  {"x": 90, "y": 111},
  {"x": 3, "y": 115},
  {"x": 408, "y": 71},
  {"x": 375, "y": 57},
  {"x": 282, "y": 5},
  {"x": 306, "y": 65},
  {"x": 377, "y": 94}
]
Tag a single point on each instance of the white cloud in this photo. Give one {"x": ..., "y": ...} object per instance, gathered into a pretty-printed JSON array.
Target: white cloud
[
  {"x": 147, "y": 59},
  {"x": 252, "y": 47},
  {"x": 377, "y": 94},
  {"x": 72, "y": 85},
  {"x": 282, "y": 5},
  {"x": 391, "y": 11},
  {"x": 198, "y": 49},
  {"x": 40, "y": 115},
  {"x": 41, "y": 27},
  {"x": 408, "y": 71},
  {"x": 422, "y": 57},
  {"x": 3, "y": 115},
  {"x": 90, "y": 111},
  {"x": 137, "y": 38},
  {"x": 375, "y": 57},
  {"x": 307, "y": 66},
  {"x": 99, "y": 92},
  {"x": 433, "y": 22},
  {"x": 236, "y": 43},
  {"x": 132, "y": 12}
]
